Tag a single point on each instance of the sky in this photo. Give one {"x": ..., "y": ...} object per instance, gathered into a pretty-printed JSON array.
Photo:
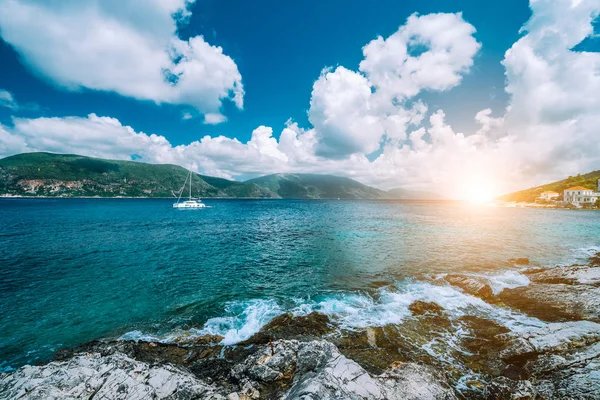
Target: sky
[{"x": 459, "y": 97}]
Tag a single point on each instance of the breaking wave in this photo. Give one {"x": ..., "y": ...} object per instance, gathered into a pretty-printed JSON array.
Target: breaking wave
[{"x": 389, "y": 305}]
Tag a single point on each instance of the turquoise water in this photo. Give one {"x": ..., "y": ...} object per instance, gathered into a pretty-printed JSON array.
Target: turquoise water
[{"x": 74, "y": 270}]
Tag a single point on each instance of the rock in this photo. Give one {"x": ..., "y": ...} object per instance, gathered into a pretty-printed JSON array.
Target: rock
[
  {"x": 472, "y": 285},
  {"x": 266, "y": 367},
  {"x": 503, "y": 388},
  {"x": 412, "y": 381},
  {"x": 287, "y": 326},
  {"x": 571, "y": 275},
  {"x": 573, "y": 374},
  {"x": 340, "y": 378},
  {"x": 519, "y": 261},
  {"x": 517, "y": 348},
  {"x": 146, "y": 351},
  {"x": 423, "y": 307},
  {"x": 115, "y": 376},
  {"x": 199, "y": 340},
  {"x": 483, "y": 344},
  {"x": 376, "y": 348},
  {"x": 317, "y": 370},
  {"x": 553, "y": 338},
  {"x": 555, "y": 302},
  {"x": 595, "y": 259}
]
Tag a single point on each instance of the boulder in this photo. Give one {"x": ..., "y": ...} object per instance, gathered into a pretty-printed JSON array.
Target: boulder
[
  {"x": 115, "y": 376},
  {"x": 287, "y": 326},
  {"x": 412, "y": 381},
  {"x": 571, "y": 275},
  {"x": 317, "y": 370},
  {"x": 552, "y": 338},
  {"x": 555, "y": 302},
  {"x": 472, "y": 285},
  {"x": 572, "y": 374},
  {"x": 339, "y": 378}
]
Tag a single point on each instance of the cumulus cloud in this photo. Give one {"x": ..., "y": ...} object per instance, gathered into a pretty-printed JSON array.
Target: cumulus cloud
[
  {"x": 488, "y": 123},
  {"x": 342, "y": 115},
  {"x": 428, "y": 52},
  {"x": 355, "y": 111},
  {"x": 548, "y": 130},
  {"x": 106, "y": 137},
  {"x": 128, "y": 47},
  {"x": 555, "y": 91}
]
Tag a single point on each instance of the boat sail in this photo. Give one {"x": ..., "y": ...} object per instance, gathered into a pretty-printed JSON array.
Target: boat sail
[{"x": 191, "y": 203}]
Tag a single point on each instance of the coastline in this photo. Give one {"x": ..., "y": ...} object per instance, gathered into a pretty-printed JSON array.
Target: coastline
[
  {"x": 534, "y": 330},
  {"x": 513, "y": 204}
]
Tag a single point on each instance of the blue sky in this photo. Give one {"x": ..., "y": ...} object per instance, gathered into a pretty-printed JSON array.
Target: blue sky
[
  {"x": 450, "y": 94},
  {"x": 280, "y": 49}
]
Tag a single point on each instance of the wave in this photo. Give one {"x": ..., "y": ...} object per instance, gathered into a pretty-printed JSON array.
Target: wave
[
  {"x": 505, "y": 280},
  {"x": 353, "y": 310}
]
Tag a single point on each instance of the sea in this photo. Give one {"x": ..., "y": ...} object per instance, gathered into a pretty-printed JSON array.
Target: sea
[{"x": 76, "y": 270}]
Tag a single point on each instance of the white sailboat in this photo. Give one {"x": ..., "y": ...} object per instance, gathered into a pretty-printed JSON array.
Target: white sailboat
[{"x": 191, "y": 203}]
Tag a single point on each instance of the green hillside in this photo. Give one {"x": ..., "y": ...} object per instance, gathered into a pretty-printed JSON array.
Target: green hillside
[
  {"x": 589, "y": 180},
  {"x": 46, "y": 174},
  {"x": 313, "y": 186},
  {"x": 68, "y": 175}
]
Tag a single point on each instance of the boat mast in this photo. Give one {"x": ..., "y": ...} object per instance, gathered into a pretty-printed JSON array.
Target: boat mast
[
  {"x": 181, "y": 190},
  {"x": 190, "y": 184}
]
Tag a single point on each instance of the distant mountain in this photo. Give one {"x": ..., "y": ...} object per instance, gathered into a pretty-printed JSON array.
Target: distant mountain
[
  {"x": 69, "y": 175},
  {"x": 589, "y": 180},
  {"x": 46, "y": 174},
  {"x": 406, "y": 194},
  {"x": 313, "y": 186}
]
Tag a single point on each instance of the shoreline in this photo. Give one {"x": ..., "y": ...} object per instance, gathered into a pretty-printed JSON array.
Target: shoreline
[
  {"x": 552, "y": 314},
  {"x": 231, "y": 198}
]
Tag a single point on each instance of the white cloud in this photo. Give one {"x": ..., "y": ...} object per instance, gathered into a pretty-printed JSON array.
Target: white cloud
[
  {"x": 214, "y": 119},
  {"x": 428, "y": 52},
  {"x": 352, "y": 111},
  {"x": 7, "y": 100},
  {"x": 128, "y": 47},
  {"x": 555, "y": 92},
  {"x": 548, "y": 131},
  {"x": 488, "y": 123},
  {"x": 342, "y": 115}
]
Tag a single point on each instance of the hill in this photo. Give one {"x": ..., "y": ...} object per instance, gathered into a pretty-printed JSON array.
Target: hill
[
  {"x": 589, "y": 180},
  {"x": 69, "y": 175},
  {"x": 46, "y": 174},
  {"x": 405, "y": 194},
  {"x": 313, "y": 186}
]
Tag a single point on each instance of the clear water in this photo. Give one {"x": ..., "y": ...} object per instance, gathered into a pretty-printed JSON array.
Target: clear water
[{"x": 74, "y": 270}]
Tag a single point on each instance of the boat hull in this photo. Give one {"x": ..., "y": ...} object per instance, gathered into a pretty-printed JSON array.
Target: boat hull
[{"x": 184, "y": 206}]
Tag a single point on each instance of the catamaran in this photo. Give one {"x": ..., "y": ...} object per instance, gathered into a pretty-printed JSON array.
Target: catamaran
[{"x": 192, "y": 202}]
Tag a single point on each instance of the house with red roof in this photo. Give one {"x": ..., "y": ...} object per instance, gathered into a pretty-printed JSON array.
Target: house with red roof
[{"x": 579, "y": 195}]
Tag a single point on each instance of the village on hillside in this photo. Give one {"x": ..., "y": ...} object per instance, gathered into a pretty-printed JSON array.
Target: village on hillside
[{"x": 576, "y": 196}]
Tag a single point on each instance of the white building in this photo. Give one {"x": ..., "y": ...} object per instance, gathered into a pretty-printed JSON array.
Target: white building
[
  {"x": 579, "y": 195},
  {"x": 549, "y": 195}
]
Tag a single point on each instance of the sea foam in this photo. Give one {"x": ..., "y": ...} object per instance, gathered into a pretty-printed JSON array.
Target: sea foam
[{"x": 354, "y": 310}]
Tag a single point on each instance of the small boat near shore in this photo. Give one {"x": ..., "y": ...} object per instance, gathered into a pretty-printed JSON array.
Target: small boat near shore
[{"x": 191, "y": 203}]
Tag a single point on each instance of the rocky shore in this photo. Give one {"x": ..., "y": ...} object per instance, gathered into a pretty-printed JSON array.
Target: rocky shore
[{"x": 430, "y": 355}]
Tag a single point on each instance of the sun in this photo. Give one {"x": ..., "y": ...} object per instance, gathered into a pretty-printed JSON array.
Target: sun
[
  {"x": 480, "y": 197},
  {"x": 478, "y": 192}
]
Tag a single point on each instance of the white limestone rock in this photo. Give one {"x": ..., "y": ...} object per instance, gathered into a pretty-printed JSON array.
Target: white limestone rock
[{"x": 115, "y": 376}]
